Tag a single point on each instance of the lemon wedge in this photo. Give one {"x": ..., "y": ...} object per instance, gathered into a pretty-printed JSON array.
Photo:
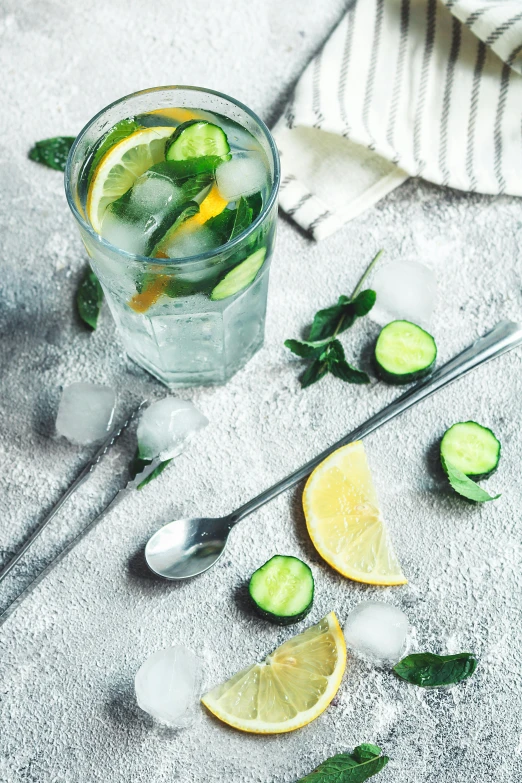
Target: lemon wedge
[
  {"x": 290, "y": 688},
  {"x": 121, "y": 166},
  {"x": 345, "y": 522}
]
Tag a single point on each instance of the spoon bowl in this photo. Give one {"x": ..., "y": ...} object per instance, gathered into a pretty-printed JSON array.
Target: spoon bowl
[{"x": 187, "y": 547}]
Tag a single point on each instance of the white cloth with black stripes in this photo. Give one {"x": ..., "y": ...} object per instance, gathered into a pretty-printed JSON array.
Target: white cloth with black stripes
[{"x": 428, "y": 88}]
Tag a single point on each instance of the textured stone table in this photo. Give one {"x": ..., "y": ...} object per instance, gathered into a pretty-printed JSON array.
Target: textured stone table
[{"x": 69, "y": 653}]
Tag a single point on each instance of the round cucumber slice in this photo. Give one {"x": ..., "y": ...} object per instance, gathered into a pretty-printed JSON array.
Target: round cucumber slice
[
  {"x": 404, "y": 352},
  {"x": 282, "y": 589},
  {"x": 471, "y": 448},
  {"x": 196, "y": 139},
  {"x": 240, "y": 277}
]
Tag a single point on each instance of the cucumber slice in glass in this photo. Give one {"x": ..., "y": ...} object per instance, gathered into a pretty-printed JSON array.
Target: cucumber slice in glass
[
  {"x": 240, "y": 277},
  {"x": 196, "y": 139},
  {"x": 282, "y": 590},
  {"x": 471, "y": 448},
  {"x": 404, "y": 352}
]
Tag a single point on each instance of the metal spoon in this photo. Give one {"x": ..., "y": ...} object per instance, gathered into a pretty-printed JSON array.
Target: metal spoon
[{"x": 188, "y": 547}]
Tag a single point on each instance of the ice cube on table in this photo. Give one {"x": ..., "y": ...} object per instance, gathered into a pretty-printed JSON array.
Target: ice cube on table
[
  {"x": 166, "y": 426},
  {"x": 85, "y": 412},
  {"x": 406, "y": 291},
  {"x": 168, "y": 685},
  {"x": 377, "y": 631},
  {"x": 243, "y": 175}
]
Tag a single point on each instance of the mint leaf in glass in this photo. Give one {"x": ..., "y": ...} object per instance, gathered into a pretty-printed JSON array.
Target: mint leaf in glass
[
  {"x": 365, "y": 761},
  {"x": 52, "y": 152},
  {"x": 430, "y": 670},
  {"x": 243, "y": 218},
  {"x": 464, "y": 485},
  {"x": 89, "y": 299}
]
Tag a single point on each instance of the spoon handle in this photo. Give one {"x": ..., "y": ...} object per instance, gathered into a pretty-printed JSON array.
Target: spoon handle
[
  {"x": 83, "y": 476},
  {"x": 502, "y": 338}
]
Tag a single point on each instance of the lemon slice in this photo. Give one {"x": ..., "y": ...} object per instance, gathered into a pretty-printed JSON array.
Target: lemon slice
[
  {"x": 290, "y": 688},
  {"x": 345, "y": 522},
  {"x": 121, "y": 166}
]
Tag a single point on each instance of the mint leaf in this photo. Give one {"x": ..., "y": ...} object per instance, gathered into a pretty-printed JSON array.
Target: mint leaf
[
  {"x": 154, "y": 473},
  {"x": 314, "y": 373},
  {"x": 243, "y": 218},
  {"x": 364, "y": 302},
  {"x": 140, "y": 465},
  {"x": 255, "y": 202},
  {"x": 430, "y": 670},
  {"x": 322, "y": 345},
  {"x": 52, "y": 152},
  {"x": 464, "y": 485},
  {"x": 183, "y": 169},
  {"x": 120, "y": 131},
  {"x": 306, "y": 350},
  {"x": 335, "y": 352},
  {"x": 89, "y": 299},
  {"x": 356, "y": 767},
  {"x": 326, "y": 321},
  {"x": 366, "y": 751},
  {"x": 347, "y": 373}
]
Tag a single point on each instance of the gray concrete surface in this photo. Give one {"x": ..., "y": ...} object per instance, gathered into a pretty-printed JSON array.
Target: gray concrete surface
[{"x": 69, "y": 653}]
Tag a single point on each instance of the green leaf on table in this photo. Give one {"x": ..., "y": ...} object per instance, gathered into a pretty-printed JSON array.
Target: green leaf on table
[
  {"x": 322, "y": 345},
  {"x": 89, "y": 299},
  {"x": 120, "y": 131},
  {"x": 464, "y": 485},
  {"x": 325, "y": 322},
  {"x": 365, "y": 761},
  {"x": 313, "y": 373},
  {"x": 52, "y": 152},
  {"x": 347, "y": 373},
  {"x": 306, "y": 350},
  {"x": 140, "y": 465},
  {"x": 363, "y": 302},
  {"x": 430, "y": 670}
]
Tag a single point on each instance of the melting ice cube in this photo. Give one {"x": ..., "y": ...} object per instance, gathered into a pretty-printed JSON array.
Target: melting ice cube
[
  {"x": 167, "y": 426},
  {"x": 244, "y": 174},
  {"x": 190, "y": 242},
  {"x": 406, "y": 290},
  {"x": 377, "y": 631},
  {"x": 85, "y": 412},
  {"x": 168, "y": 684}
]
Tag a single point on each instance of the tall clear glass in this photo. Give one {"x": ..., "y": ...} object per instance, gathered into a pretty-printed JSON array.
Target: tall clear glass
[{"x": 183, "y": 339}]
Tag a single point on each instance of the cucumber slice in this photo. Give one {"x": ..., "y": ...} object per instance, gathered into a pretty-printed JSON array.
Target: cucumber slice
[
  {"x": 240, "y": 277},
  {"x": 471, "y": 448},
  {"x": 282, "y": 589},
  {"x": 196, "y": 139},
  {"x": 404, "y": 352}
]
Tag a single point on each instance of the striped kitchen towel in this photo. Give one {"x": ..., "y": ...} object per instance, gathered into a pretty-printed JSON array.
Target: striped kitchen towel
[{"x": 429, "y": 88}]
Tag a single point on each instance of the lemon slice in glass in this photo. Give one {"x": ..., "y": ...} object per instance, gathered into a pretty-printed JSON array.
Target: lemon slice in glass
[
  {"x": 290, "y": 688},
  {"x": 121, "y": 166},
  {"x": 345, "y": 522}
]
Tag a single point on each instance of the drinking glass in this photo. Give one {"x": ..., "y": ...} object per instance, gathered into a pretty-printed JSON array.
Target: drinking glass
[{"x": 187, "y": 338}]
